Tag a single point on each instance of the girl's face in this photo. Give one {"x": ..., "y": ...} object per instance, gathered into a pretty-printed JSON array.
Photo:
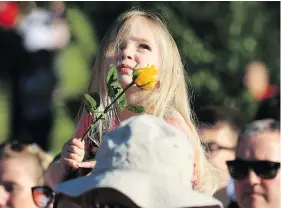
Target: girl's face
[{"x": 138, "y": 47}]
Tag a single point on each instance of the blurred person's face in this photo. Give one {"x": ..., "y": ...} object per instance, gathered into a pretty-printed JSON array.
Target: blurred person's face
[
  {"x": 16, "y": 182},
  {"x": 256, "y": 79},
  {"x": 220, "y": 142},
  {"x": 254, "y": 191}
]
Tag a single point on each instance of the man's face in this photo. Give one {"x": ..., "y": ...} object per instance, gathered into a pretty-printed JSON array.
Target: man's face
[
  {"x": 254, "y": 191},
  {"x": 222, "y": 142}
]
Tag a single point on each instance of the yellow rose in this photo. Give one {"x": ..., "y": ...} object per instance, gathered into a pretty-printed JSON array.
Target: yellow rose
[{"x": 146, "y": 78}]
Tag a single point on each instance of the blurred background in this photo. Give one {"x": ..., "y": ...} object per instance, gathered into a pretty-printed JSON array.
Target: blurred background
[{"x": 231, "y": 51}]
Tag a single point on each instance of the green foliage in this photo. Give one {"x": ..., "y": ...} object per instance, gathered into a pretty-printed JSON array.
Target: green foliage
[
  {"x": 75, "y": 61},
  {"x": 111, "y": 76},
  {"x": 135, "y": 108},
  {"x": 74, "y": 71},
  {"x": 92, "y": 102},
  {"x": 82, "y": 32},
  {"x": 122, "y": 104},
  {"x": 217, "y": 40},
  {"x": 114, "y": 88}
]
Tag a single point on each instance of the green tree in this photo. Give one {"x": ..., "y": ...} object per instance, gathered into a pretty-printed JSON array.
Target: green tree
[{"x": 217, "y": 40}]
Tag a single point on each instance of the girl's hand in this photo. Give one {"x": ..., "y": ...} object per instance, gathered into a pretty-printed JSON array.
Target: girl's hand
[
  {"x": 89, "y": 163},
  {"x": 73, "y": 153}
]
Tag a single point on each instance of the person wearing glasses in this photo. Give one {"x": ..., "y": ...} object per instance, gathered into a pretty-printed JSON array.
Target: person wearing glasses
[
  {"x": 219, "y": 127},
  {"x": 256, "y": 169},
  {"x": 45, "y": 197},
  {"x": 21, "y": 168}
]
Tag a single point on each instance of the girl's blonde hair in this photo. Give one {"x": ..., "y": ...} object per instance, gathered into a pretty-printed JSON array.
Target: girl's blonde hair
[{"x": 171, "y": 95}]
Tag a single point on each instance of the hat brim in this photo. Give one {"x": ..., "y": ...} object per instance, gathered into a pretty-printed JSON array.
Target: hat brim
[{"x": 141, "y": 188}]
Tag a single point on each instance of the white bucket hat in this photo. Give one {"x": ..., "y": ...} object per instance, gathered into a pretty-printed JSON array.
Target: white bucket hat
[{"x": 147, "y": 160}]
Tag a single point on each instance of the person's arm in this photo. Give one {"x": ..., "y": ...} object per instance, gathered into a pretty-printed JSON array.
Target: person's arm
[
  {"x": 55, "y": 173},
  {"x": 71, "y": 156}
]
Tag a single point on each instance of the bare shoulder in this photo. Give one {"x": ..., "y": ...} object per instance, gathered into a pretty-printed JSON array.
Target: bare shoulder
[
  {"x": 173, "y": 115},
  {"x": 176, "y": 119}
]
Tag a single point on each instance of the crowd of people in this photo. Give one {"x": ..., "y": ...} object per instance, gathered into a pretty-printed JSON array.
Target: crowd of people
[{"x": 162, "y": 158}]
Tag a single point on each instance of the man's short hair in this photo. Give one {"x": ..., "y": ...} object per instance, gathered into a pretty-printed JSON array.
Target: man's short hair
[
  {"x": 211, "y": 115},
  {"x": 258, "y": 127}
]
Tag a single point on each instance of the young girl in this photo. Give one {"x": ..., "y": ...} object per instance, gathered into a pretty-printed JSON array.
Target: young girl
[{"x": 138, "y": 38}]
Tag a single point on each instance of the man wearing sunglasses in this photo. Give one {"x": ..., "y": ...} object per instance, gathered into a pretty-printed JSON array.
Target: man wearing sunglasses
[{"x": 256, "y": 169}]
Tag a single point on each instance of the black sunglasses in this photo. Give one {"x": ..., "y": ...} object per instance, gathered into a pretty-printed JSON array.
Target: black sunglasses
[
  {"x": 239, "y": 169},
  {"x": 42, "y": 196}
]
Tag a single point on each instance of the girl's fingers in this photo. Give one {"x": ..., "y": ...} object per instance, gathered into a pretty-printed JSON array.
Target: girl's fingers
[
  {"x": 76, "y": 142},
  {"x": 87, "y": 164},
  {"x": 75, "y": 157},
  {"x": 71, "y": 163},
  {"x": 76, "y": 150}
]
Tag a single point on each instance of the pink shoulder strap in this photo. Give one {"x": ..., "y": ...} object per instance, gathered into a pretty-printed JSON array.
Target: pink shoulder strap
[{"x": 83, "y": 124}]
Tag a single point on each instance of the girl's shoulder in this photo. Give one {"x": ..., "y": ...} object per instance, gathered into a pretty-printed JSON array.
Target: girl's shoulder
[
  {"x": 173, "y": 114},
  {"x": 174, "y": 118}
]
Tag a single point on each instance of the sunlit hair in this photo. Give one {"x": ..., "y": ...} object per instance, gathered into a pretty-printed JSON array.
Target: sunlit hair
[
  {"x": 172, "y": 95},
  {"x": 32, "y": 154}
]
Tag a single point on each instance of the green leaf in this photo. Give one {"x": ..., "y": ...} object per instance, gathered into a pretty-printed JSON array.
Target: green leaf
[
  {"x": 96, "y": 97},
  {"x": 122, "y": 100},
  {"x": 88, "y": 108},
  {"x": 113, "y": 91},
  {"x": 122, "y": 104},
  {"x": 93, "y": 100},
  {"x": 111, "y": 76},
  {"x": 116, "y": 85},
  {"x": 135, "y": 108}
]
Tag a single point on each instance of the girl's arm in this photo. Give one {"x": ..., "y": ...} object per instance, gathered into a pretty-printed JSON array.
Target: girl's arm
[{"x": 72, "y": 153}]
